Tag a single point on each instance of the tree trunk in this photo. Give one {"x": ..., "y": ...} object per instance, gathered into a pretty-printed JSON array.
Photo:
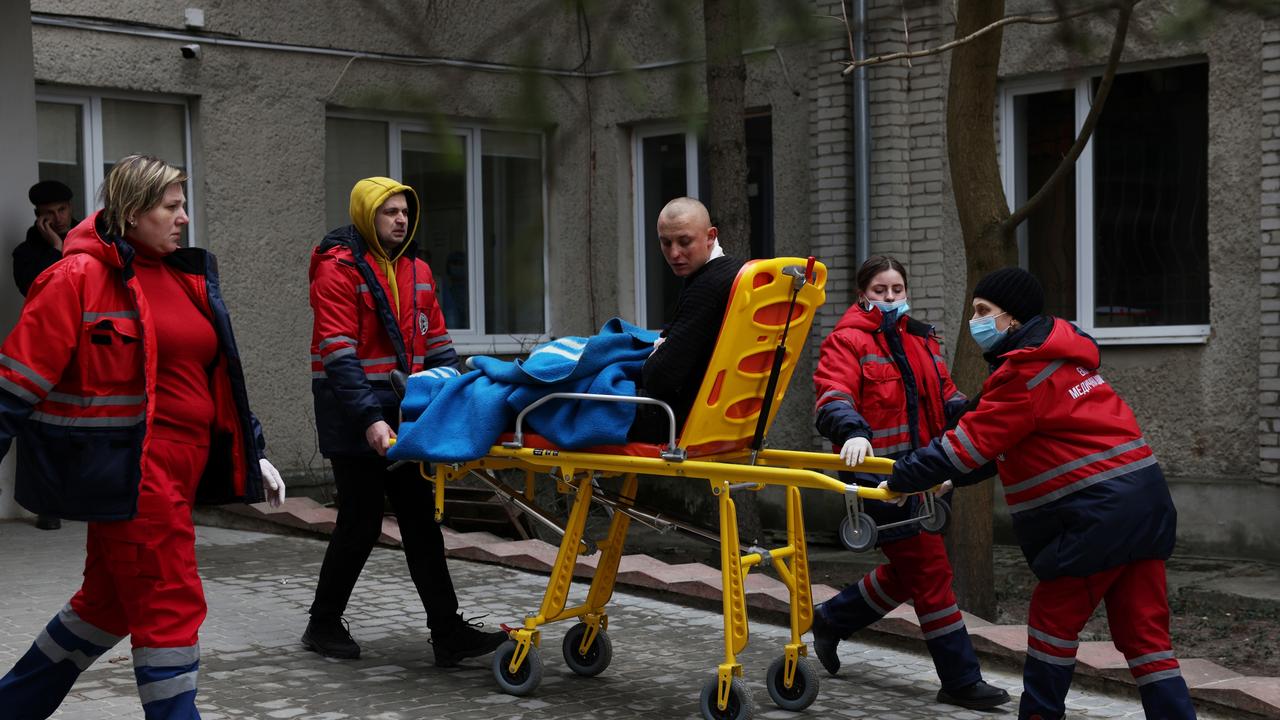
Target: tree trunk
[
  {"x": 727, "y": 166},
  {"x": 980, "y": 200},
  {"x": 726, "y": 137}
]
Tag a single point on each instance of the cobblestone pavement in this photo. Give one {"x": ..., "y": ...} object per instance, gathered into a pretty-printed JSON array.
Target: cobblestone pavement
[{"x": 259, "y": 587}]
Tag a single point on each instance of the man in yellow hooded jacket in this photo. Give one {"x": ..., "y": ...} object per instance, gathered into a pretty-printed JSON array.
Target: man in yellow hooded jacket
[{"x": 375, "y": 311}]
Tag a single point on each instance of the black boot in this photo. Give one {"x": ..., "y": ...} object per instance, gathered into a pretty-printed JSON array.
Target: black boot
[
  {"x": 461, "y": 638},
  {"x": 978, "y": 696},
  {"x": 825, "y": 642},
  {"x": 330, "y": 638}
]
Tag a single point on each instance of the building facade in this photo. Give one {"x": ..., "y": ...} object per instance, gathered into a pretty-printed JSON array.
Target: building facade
[{"x": 543, "y": 142}]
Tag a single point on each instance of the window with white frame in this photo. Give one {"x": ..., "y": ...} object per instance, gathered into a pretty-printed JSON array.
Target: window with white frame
[
  {"x": 80, "y": 136},
  {"x": 670, "y": 162},
  {"x": 482, "y": 227},
  {"x": 1122, "y": 246}
]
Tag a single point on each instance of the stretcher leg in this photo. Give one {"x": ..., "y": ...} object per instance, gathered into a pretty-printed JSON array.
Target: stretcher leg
[
  {"x": 791, "y": 680},
  {"x": 735, "y": 602},
  {"x": 517, "y": 665},
  {"x": 587, "y": 647},
  {"x": 567, "y": 557},
  {"x": 611, "y": 555}
]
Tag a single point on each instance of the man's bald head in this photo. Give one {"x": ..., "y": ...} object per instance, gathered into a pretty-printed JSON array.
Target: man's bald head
[
  {"x": 686, "y": 234},
  {"x": 685, "y": 207}
]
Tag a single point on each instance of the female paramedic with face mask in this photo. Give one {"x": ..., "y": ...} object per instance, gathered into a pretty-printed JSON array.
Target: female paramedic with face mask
[
  {"x": 883, "y": 390},
  {"x": 1089, "y": 503},
  {"x": 122, "y": 384}
]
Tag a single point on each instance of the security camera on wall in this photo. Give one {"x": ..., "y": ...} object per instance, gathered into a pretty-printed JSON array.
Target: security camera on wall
[{"x": 190, "y": 52}]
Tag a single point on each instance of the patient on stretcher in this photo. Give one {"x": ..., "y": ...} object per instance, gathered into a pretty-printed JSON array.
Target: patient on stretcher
[{"x": 675, "y": 370}]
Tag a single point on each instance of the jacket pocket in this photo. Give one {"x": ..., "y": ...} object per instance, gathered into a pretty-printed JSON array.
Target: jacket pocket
[
  {"x": 883, "y": 397},
  {"x": 112, "y": 352},
  {"x": 79, "y": 474}
]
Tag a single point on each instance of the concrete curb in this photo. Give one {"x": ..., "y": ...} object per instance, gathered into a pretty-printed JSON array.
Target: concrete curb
[{"x": 1099, "y": 661}]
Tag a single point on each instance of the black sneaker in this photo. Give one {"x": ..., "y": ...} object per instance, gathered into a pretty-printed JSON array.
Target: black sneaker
[
  {"x": 462, "y": 639},
  {"x": 48, "y": 522},
  {"x": 330, "y": 638},
  {"x": 825, "y": 642},
  {"x": 978, "y": 696}
]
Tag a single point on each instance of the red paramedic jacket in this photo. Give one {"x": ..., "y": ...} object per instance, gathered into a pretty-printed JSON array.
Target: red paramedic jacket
[
  {"x": 77, "y": 384},
  {"x": 1084, "y": 489},
  {"x": 887, "y": 383},
  {"x": 891, "y": 386}
]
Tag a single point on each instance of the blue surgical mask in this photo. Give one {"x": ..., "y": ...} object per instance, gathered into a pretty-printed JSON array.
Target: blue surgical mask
[
  {"x": 984, "y": 332},
  {"x": 895, "y": 309}
]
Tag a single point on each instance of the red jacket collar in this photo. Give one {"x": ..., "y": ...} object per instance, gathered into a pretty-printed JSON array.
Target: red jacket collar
[{"x": 90, "y": 238}]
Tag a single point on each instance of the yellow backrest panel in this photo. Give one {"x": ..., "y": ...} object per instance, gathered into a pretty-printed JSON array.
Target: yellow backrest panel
[{"x": 729, "y": 401}]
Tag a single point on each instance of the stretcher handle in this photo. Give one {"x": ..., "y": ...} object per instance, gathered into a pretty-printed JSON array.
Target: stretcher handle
[
  {"x": 798, "y": 279},
  {"x": 672, "y": 452}
]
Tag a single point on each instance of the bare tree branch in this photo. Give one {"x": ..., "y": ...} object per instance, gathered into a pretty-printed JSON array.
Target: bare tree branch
[
  {"x": 1068, "y": 163},
  {"x": 1012, "y": 19},
  {"x": 848, "y": 30}
]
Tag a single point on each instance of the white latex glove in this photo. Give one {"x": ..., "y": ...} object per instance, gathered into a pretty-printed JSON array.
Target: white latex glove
[
  {"x": 657, "y": 344},
  {"x": 944, "y": 488},
  {"x": 902, "y": 499},
  {"x": 856, "y": 450},
  {"x": 274, "y": 483}
]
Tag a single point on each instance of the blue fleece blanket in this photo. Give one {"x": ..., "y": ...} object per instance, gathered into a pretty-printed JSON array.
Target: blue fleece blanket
[{"x": 456, "y": 418}]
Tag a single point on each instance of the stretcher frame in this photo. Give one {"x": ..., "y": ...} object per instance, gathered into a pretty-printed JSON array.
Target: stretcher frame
[{"x": 772, "y": 307}]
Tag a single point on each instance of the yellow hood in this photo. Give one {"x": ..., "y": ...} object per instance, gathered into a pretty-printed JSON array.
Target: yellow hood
[{"x": 366, "y": 197}]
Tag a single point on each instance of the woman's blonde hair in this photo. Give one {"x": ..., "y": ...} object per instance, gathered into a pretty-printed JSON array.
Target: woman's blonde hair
[{"x": 135, "y": 185}]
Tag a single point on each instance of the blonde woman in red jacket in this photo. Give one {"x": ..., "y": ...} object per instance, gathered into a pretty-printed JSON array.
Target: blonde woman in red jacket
[{"x": 122, "y": 385}]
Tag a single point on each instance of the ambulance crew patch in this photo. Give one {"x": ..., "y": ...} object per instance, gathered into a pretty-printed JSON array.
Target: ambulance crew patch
[{"x": 422, "y": 323}]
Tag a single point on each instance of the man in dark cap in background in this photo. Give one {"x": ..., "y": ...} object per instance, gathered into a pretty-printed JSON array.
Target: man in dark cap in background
[{"x": 43, "y": 246}]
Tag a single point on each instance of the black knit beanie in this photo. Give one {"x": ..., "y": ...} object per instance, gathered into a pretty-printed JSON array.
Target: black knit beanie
[{"x": 1015, "y": 290}]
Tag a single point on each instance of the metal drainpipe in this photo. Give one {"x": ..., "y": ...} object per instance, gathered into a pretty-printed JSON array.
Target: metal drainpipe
[{"x": 861, "y": 139}]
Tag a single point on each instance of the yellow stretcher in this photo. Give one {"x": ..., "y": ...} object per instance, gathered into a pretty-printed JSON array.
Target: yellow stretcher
[{"x": 769, "y": 315}]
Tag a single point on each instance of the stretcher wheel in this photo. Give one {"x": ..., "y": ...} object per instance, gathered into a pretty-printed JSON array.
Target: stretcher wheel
[
  {"x": 741, "y": 705},
  {"x": 859, "y": 535},
  {"x": 803, "y": 690},
  {"x": 523, "y": 681},
  {"x": 597, "y": 657},
  {"x": 940, "y": 519}
]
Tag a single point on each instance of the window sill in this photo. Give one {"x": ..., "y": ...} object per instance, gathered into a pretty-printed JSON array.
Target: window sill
[
  {"x": 1169, "y": 335},
  {"x": 497, "y": 344}
]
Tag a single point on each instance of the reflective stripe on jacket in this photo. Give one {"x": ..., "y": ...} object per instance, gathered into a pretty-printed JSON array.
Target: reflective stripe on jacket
[
  {"x": 357, "y": 340},
  {"x": 77, "y": 384}
]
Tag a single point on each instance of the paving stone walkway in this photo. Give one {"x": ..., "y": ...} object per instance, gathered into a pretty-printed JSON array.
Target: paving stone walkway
[{"x": 259, "y": 587}]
